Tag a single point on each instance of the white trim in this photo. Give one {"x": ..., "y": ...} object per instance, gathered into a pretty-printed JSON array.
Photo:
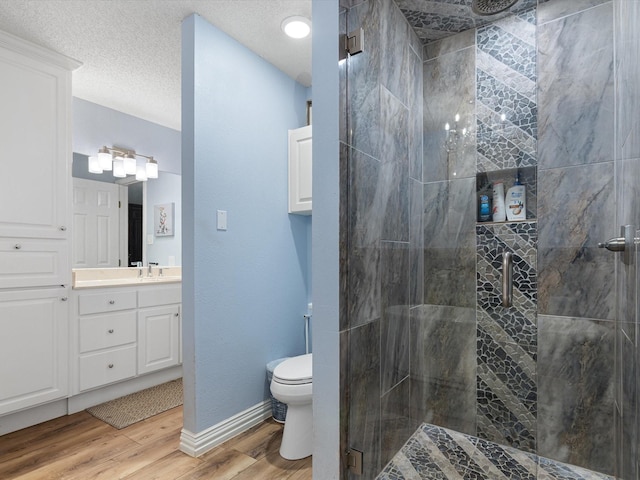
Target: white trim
[
  {"x": 36, "y": 52},
  {"x": 200, "y": 443}
]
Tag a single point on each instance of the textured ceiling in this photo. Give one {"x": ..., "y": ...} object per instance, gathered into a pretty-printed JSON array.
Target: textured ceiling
[
  {"x": 130, "y": 49},
  {"x": 436, "y": 19}
]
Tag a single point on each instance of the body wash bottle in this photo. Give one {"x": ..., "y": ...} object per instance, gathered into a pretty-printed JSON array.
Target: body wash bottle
[{"x": 516, "y": 202}]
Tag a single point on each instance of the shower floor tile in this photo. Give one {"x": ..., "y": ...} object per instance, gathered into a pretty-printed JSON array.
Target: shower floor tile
[{"x": 437, "y": 453}]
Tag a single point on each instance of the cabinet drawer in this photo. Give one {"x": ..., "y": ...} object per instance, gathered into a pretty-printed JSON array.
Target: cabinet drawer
[
  {"x": 33, "y": 263},
  {"x": 106, "y": 302},
  {"x": 159, "y": 295},
  {"x": 99, "y": 369},
  {"x": 106, "y": 331}
]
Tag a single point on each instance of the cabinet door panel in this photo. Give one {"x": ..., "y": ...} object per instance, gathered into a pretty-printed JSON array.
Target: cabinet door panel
[
  {"x": 300, "y": 171},
  {"x": 158, "y": 338},
  {"x": 34, "y": 184},
  {"x": 33, "y": 347}
]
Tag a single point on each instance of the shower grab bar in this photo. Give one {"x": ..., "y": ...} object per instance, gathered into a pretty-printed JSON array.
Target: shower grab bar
[{"x": 507, "y": 279}]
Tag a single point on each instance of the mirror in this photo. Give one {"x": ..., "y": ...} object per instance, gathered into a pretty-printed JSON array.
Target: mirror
[{"x": 113, "y": 219}]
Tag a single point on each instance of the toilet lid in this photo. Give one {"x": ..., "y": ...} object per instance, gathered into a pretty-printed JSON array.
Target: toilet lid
[{"x": 294, "y": 371}]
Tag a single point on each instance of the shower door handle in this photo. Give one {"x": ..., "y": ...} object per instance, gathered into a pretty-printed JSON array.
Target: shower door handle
[
  {"x": 507, "y": 279},
  {"x": 624, "y": 243},
  {"x": 617, "y": 244}
]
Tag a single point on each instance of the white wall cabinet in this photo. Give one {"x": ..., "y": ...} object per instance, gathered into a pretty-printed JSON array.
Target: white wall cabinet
[
  {"x": 300, "y": 171},
  {"x": 124, "y": 332},
  {"x": 33, "y": 347},
  {"x": 35, "y": 134}
]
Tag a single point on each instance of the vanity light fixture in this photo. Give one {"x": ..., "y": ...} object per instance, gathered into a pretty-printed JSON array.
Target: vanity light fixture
[
  {"x": 123, "y": 162},
  {"x": 152, "y": 168},
  {"x": 296, "y": 26},
  {"x": 94, "y": 165}
]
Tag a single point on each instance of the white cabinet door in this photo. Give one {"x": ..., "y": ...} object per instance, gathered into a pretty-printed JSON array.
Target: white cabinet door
[
  {"x": 33, "y": 347},
  {"x": 96, "y": 232},
  {"x": 300, "y": 171},
  {"x": 36, "y": 144},
  {"x": 158, "y": 338}
]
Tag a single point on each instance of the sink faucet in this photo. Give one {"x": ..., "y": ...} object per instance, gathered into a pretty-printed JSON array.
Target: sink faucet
[{"x": 150, "y": 271}]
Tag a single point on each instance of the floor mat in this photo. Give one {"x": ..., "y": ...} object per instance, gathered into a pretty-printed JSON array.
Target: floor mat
[{"x": 133, "y": 408}]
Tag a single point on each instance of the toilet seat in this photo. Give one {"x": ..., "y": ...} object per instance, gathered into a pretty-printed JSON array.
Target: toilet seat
[{"x": 294, "y": 371}]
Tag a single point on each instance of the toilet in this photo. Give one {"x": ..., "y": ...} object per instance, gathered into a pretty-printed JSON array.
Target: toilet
[{"x": 291, "y": 384}]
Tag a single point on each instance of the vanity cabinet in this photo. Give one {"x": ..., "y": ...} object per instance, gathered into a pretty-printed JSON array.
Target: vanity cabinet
[
  {"x": 33, "y": 347},
  {"x": 125, "y": 332},
  {"x": 300, "y": 171},
  {"x": 106, "y": 337}
]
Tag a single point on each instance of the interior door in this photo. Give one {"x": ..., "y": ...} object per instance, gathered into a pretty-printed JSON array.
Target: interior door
[{"x": 95, "y": 224}]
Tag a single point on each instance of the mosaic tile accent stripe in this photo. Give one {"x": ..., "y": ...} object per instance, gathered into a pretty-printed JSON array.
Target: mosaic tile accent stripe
[
  {"x": 507, "y": 112},
  {"x": 507, "y": 337},
  {"x": 438, "y": 453}
]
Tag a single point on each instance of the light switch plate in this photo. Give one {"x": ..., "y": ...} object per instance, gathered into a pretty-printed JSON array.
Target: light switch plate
[{"x": 222, "y": 219}]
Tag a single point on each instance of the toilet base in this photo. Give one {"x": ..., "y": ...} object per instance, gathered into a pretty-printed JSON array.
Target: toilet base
[{"x": 297, "y": 439}]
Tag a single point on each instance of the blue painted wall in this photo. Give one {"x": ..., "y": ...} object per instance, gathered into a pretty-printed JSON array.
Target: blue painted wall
[
  {"x": 95, "y": 126},
  {"x": 325, "y": 255},
  {"x": 245, "y": 289}
]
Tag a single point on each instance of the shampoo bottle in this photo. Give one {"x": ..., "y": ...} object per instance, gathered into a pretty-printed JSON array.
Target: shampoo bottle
[
  {"x": 516, "y": 202},
  {"x": 484, "y": 213},
  {"x": 498, "y": 202}
]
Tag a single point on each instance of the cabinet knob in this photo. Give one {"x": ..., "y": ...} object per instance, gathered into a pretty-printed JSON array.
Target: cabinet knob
[
  {"x": 110, "y": 330},
  {"x": 176, "y": 314},
  {"x": 110, "y": 365},
  {"x": 18, "y": 246},
  {"x": 112, "y": 302},
  {"x": 63, "y": 228},
  {"x": 64, "y": 299}
]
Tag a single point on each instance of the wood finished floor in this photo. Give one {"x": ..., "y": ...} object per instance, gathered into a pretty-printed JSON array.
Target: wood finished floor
[{"x": 81, "y": 447}]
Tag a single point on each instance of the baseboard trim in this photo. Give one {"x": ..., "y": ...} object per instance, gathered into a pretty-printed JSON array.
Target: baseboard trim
[{"x": 196, "y": 444}]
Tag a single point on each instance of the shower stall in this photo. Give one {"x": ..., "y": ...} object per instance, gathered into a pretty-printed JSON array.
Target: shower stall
[{"x": 440, "y": 379}]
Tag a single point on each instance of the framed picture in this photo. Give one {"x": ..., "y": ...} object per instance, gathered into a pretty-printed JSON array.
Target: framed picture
[{"x": 163, "y": 219}]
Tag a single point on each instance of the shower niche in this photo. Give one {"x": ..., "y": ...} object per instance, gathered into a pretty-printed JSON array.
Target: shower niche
[{"x": 528, "y": 178}]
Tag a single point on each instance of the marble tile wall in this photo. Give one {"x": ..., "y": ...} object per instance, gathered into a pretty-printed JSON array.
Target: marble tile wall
[
  {"x": 443, "y": 366},
  {"x": 576, "y": 389},
  {"x": 422, "y": 333},
  {"x": 381, "y": 234}
]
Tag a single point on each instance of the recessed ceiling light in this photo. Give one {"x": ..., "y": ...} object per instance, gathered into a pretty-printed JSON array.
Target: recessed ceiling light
[{"x": 296, "y": 27}]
